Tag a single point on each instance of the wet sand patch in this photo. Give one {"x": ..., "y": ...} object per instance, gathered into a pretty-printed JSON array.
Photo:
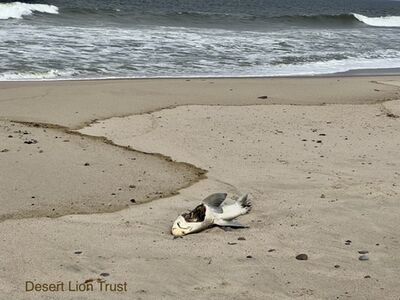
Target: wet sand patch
[{"x": 48, "y": 172}]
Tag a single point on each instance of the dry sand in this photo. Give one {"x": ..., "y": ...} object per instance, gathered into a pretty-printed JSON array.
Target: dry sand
[
  {"x": 318, "y": 175},
  {"x": 76, "y": 103}
]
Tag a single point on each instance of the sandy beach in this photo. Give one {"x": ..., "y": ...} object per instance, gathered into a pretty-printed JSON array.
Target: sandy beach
[{"x": 93, "y": 174}]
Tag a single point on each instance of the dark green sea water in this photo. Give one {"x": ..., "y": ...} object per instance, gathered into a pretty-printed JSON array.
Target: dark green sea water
[{"x": 54, "y": 39}]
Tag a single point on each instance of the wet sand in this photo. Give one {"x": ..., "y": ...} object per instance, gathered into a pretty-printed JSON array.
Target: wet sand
[{"x": 322, "y": 175}]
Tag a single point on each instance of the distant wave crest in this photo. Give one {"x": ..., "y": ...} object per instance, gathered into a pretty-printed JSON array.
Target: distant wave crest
[
  {"x": 51, "y": 74},
  {"x": 389, "y": 21},
  {"x": 16, "y": 10}
]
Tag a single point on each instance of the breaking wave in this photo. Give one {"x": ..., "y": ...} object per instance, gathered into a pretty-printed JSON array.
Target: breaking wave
[
  {"x": 32, "y": 76},
  {"x": 16, "y": 10},
  {"x": 389, "y": 21}
]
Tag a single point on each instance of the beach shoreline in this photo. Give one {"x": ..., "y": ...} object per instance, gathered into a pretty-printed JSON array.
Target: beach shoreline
[
  {"x": 368, "y": 72},
  {"x": 318, "y": 157}
]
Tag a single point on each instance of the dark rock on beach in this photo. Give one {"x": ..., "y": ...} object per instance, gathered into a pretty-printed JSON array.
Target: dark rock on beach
[
  {"x": 32, "y": 141},
  {"x": 302, "y": 257},
  {"x": 363, "y": 257}
]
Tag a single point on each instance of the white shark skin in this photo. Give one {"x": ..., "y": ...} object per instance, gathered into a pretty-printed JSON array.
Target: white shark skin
[{"x": 221, "y": 215}]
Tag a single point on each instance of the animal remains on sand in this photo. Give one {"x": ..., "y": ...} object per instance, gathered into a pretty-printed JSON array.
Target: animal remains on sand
[{"x": 214, "y": 210}]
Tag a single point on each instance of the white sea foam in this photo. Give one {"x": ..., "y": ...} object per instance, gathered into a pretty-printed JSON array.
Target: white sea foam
[
  {"x": 157, "y": 51},
  {"x": 33, "y": 76},
  {"x": 16, "y": 10},
  {"x": 388, "y": 21}
]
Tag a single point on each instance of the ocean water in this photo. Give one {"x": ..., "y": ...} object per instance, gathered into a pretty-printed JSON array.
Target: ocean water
[{"x": 80, "y": 39}]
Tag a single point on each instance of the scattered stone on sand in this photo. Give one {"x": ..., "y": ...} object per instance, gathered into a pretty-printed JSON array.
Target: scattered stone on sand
[
  {"x": 391, "y": 115},
  {"x": 249, "y": 256},
  {"x": 4, "y": 150},
  {"x": 363, "y": 257},
  {"x": 322, "y": 196},
  {"x": 230, "y": 243},
  {"x": 86, "y": 164},
  {"x": 337, "y": 266},
  {"x": 32, "y": 141},
  {"x": 132, "y": 186},
  {"x": 363, "y": 252},
  {"x": 302, "y": 257},
  {"x": 263, "y": 97},
  {"x": 271, "y": 250},
  {"x": 241, "y": 238},
  {"x": 133, "y": 200},
  {"x": 348, "y": 242},
  {"x": 104, "y": 274},
  {"x": 367, "y": 276},
  {"x": 78, "y": 252}
]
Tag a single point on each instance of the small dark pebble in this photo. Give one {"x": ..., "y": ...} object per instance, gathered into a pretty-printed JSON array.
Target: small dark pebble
[
  {"x": 319, "y": 141},
  {"x": 29, "y": 142},
  {"x": 367, "y": 276},
  {"x": 230, "y": 243},
  {"x": 241, "y": 238},
  {"x": 133, "y": 200},
  {"x": 271, "y": 250},
  {"x": 132, "y": 186},
  {"x": 10, "y": 136},
  {"x": 322, "y": 196},
  {"x": 78, "y": 252},
  {"x": 363, "y": 251},
  {"x": 4, "y": 150},
  {"x": 104, "y": 274},
  {"x": 249, "y": 256},
  {"x": 337, "y": 266},
  {"x": 390, "y": 115},
  {"x": 363, "y": 257},
  {"x": 302, "y": 257},
  {"x": 177, "y": 237},
  {"x": 263, "y": 97},
  {"x": 348, "y": 241},
  {"x": 86, "y": 164}
]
